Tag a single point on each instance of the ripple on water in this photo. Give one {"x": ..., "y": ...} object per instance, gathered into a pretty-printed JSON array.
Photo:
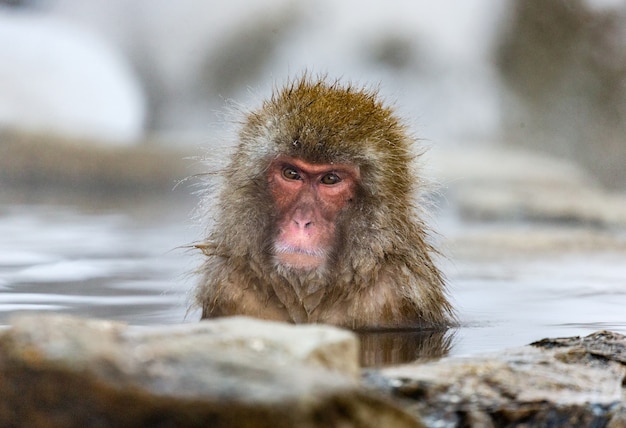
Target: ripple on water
[{"x": 110, "y": 263}]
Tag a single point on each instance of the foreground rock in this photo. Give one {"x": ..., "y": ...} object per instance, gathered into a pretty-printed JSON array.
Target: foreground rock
[
  {"x": 59, "y": 371},
  {"x": 554, "y": 382}
]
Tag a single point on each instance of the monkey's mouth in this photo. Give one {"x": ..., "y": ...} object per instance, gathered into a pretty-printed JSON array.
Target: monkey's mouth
[{"x": 299, "y": 258}]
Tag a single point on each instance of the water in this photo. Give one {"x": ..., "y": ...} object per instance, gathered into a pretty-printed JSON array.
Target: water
[
  {"x": 126, "y": 261},
  {"x": 121, "y": 263},
  {"x": 523, "y": 300}
]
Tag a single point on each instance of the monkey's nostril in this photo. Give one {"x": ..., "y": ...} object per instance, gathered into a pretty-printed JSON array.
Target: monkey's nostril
[{"x": 303, "y": 224}]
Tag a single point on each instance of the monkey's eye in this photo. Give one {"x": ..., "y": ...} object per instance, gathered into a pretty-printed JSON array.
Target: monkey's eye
[
  {"x": 291, "y": 174},
  {"x": 331, "y": 179}
]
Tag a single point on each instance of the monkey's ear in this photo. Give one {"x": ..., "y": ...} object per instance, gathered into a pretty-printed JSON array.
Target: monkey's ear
[{"x": 206, "y": 248}]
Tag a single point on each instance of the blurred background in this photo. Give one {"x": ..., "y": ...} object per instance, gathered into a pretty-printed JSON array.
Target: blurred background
[
  {"x": 105, "y": 104},
  {"x": 549, "y": 75}
]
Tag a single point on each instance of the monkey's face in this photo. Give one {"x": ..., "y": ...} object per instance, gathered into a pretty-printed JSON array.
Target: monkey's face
[{"x": 308, "y": 199}]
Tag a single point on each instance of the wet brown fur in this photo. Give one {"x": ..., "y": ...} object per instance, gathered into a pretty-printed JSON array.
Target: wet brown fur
[{"x": 381, "y": 275}]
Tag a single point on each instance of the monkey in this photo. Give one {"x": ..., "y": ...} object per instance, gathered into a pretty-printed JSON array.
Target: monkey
[{"x": 316, "y": 220}]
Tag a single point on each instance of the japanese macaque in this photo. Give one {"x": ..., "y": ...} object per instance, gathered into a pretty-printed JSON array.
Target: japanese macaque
[{"x": 316, "y": 220}]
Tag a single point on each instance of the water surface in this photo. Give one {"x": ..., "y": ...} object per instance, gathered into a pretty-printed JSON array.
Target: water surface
[{"x": 127, "y": 261}]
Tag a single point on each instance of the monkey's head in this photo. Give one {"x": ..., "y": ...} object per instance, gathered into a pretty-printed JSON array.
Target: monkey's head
[
  {"x": 316, "y": 220},
  {"x": 321, "y": 177}
]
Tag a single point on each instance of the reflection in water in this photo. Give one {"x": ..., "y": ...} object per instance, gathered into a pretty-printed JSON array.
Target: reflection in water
[{"x": 381, "y": 348}]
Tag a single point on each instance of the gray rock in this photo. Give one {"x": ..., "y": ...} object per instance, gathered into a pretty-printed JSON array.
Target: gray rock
[
  {"x": 506, "y": 203},
  {"x": 508, "y": 242},
  {"x": 62, "y": 371},
  {"x": 77, "y": 165},
  {"x": 555, "y": 382},
  {"x": 487, "y": 184}
]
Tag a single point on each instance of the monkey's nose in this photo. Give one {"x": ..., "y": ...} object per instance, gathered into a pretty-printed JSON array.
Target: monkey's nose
[{"x": 302, "y": 224}]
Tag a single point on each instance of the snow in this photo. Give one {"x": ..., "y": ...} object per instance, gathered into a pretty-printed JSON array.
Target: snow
[{"x": 59, "y": 78}]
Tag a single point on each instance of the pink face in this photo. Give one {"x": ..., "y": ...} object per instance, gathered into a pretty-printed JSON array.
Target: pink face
[{"x": 308, "y": 199}]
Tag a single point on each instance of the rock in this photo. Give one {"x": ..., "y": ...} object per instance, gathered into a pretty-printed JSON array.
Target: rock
[
  {"x": 555, "y": 382},
  {"x": 508, "y": 242},
  {"x": 41, "y": 162},
  {"x": 489, "y": 184},
  {"x": 503, "y": 202},
  {"x": 62, "y": 371}
]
